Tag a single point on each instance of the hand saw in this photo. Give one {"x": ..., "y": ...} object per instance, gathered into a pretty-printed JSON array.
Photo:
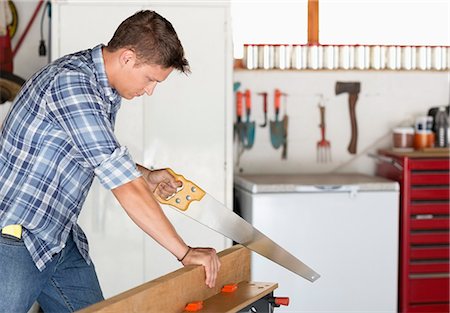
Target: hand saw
[{"x": 214, "y": 215}]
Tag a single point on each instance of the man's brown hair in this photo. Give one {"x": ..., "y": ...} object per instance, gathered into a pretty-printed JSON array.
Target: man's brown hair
[{"x": 152, "y": 38}]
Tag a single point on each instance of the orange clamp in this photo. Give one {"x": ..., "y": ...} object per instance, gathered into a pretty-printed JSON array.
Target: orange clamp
[
  {"x": 229, "y": 288},
  {"x": 194, "y": 306}
]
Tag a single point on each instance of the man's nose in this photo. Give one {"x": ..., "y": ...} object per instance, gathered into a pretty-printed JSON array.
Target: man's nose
[{"x": 149, "y": 88}]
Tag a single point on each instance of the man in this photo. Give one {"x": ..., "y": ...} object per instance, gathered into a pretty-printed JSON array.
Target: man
[{"x": 56, "y": 138}]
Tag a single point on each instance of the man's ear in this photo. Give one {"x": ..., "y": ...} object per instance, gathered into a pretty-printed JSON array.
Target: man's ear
[{"x": 127, "y": 57}]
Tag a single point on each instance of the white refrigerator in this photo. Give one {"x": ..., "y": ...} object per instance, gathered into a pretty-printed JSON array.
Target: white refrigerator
[{"x": 345, "y": 227}]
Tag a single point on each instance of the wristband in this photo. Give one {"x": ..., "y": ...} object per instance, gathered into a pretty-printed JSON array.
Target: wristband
[{"x": 188, "y": 250}]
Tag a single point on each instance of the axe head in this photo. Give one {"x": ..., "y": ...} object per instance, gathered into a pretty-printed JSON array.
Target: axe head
[{"x": 348, "y": 87}]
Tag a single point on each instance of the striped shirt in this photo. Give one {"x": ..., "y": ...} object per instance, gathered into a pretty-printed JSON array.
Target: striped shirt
[{"x": 58, "y": 135}]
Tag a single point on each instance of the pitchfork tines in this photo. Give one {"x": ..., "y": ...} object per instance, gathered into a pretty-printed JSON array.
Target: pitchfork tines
[{"x": 323, "y": 145}]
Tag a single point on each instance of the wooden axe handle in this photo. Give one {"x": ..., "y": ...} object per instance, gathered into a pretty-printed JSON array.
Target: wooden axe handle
[{"x": 354, "y": 126}]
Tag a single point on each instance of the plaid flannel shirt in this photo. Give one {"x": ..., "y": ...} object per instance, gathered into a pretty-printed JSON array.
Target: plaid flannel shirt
[{"x": 58, "y": 135}]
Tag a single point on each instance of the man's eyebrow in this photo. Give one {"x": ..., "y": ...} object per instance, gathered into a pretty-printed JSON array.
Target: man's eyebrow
[{"x": 154, "y": 80}]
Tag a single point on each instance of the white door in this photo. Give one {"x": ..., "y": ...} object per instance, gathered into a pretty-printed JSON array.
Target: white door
[{"x": 186, "y": 123}]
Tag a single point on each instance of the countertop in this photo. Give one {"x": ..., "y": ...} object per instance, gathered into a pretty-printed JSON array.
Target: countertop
[
  {"x": 270, "y": 183},
  {"x": 425, "y": 153}
]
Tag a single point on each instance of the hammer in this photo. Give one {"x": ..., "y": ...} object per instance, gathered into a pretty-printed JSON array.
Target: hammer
[{"x": 353, "y": 89}]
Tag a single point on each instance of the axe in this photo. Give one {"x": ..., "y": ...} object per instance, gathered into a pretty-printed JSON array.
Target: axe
[{"x": 353, "y": 89}]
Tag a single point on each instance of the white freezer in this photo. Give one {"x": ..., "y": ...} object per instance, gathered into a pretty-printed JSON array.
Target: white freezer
[{"x": 345, "y": 227}]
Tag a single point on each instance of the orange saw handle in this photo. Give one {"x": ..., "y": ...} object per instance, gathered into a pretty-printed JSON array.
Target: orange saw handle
[{"x": 187, "y": 193}]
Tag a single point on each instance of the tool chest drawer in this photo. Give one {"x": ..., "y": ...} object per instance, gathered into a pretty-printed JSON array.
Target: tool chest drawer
[
  {"x": 429, "y": 290},
  {"x": 424, "y": 228}
]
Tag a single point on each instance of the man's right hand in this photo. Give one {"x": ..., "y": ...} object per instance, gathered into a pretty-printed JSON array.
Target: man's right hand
[
  {"x": 210, "y": 261},
  {"x": 160, "y": 182}
]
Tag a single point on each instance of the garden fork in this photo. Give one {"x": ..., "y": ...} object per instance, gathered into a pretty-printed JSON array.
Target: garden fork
[{"x": 323, "y": 145}]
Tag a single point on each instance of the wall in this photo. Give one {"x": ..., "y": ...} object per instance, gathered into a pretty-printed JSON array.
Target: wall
[
  {"x": 387, "y": 99},
  {"x": 27, "y": 60}
]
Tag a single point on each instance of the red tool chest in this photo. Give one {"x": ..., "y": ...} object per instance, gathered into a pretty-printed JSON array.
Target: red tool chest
[{"x": 424, "y": 227}]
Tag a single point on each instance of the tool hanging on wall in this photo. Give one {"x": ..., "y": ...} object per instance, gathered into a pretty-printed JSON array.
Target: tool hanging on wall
[
  {"x": 285, "y": 129},
  {"x": 353, "y": 89},
  {"x": 323, "y": 145},
  {"x": 239, "y": 126},
  {"x": 278, "y": 128},
  {"x": 249, "y": 126},
  {"x": 264, "y": 95}
]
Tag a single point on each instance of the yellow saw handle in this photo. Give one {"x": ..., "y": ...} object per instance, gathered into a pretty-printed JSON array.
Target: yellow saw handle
[{"x": 187, "y": 193}]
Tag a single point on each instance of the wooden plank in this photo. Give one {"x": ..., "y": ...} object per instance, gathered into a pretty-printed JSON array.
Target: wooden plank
[
  {"x": 313, "y": 22},
  {"x": 246, "y": 294},
  {"x": 171, "y": 292}
]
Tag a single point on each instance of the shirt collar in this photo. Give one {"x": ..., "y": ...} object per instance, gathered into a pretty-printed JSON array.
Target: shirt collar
[{"x": 99, "y": 64}]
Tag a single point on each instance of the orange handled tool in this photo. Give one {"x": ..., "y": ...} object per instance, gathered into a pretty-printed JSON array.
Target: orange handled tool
[
  {"x": 248, "y": 103},
  {"x": 277, "y": 100},
  {"x": 239, "y": 96}
]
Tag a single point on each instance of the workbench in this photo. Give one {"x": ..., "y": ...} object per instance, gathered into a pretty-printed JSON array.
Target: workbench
[{"x": 185, "y": 288}]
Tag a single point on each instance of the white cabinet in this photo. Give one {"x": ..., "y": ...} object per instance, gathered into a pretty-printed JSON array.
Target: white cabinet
[
  {"x": 345, "y": 227},
  {"x": 186, "y": 125}
]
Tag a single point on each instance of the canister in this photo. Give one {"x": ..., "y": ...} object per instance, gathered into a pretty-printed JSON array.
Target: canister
[
  {"x": 421, "y": 58},
  {"x": 448, "y": 57},
  {"x": 423, "y": 135},
  {"x": 444, "y": 58},
  {"x": 403, "y": 138},
  {"x": 330, "y": 57},
  {"x": 362, "y": 57},
  {"x": 391, "y": 58},
  {"x": 299, "y": 57},
  {"x": 436, "y": 58},
  {"x": 282, "y": 56},
  {"x": 250, "y": 56},
  {"x": 406, "y": 57},
  {"x": 383, "y": 55},
  {"x": 266, "y": 57},
  {"x": 314, "y": 56},
  {"x": 346, "y": 57},
  {"x": 375, "y": 57},
  {"x": 429, "y": 57}
]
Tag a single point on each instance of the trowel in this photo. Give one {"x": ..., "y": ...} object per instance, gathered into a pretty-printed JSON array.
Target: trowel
[
  {"x": 277, "y": 129},
  {"x": 249, "y": 126}
]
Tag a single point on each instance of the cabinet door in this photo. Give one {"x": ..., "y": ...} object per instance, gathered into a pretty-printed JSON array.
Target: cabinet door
[
  {"x": 186, "y": 117},
  {"x": 351, "y": 241}
]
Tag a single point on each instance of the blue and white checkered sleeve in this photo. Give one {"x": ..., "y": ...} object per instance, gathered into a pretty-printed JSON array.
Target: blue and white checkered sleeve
[{"x": 117, "y": 169}]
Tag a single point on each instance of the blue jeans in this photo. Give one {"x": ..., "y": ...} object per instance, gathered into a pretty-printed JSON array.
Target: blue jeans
[{"x": 67, "y": 284}]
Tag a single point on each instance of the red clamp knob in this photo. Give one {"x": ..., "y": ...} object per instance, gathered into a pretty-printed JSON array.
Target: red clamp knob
[
  {"x": 229, "y": 288},
  {"x": 194, "y": 306},
  {"x": 281, "y": 301}
]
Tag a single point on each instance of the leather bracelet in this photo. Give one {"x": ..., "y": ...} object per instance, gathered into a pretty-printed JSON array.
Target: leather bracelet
[{"x": 188, "y": 250}]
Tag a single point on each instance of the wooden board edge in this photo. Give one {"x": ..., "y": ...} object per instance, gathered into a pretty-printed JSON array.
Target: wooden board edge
[{"x": 170, "y": 293}]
